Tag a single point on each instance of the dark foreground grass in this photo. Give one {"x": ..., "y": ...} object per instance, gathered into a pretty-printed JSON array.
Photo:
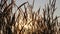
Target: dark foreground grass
[{"x": 28, "y": 21}]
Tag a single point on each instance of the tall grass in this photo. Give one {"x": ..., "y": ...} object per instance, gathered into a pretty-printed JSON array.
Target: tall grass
[{"x": 28, "y": 21}]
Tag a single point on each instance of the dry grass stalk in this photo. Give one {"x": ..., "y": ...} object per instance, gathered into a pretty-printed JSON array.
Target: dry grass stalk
[{"x": 28, "y": 21}]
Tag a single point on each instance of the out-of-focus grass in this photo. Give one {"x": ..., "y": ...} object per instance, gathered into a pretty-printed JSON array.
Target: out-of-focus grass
[{"x": 28, "y": 21}]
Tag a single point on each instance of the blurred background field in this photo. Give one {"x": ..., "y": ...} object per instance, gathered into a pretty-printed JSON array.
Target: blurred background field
[{"x": 25, "y": 18}]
